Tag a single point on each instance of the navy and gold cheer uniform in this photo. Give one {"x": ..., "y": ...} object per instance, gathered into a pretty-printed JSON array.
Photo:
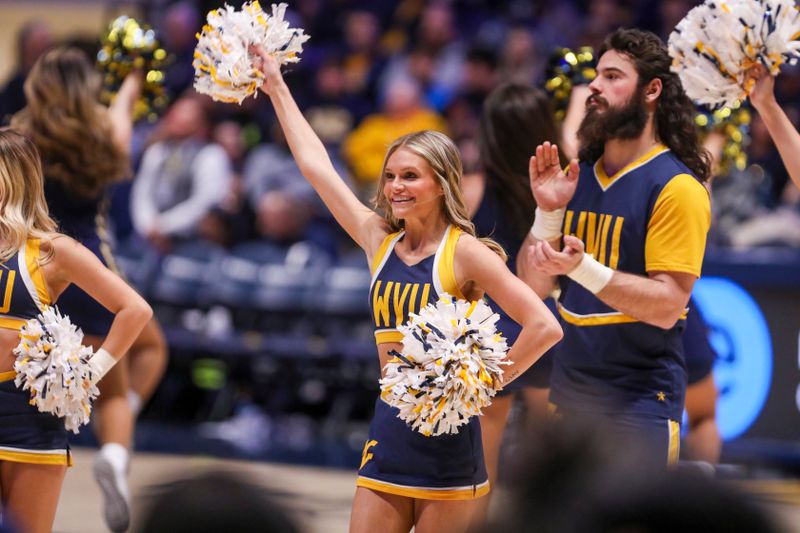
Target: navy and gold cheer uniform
[
  {"x": 397, "y": 459},
  {"x": 651, "y": 216},
  {"x": 26, "y": 435}
]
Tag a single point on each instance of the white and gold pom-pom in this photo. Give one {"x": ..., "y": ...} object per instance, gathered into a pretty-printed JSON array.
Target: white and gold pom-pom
[
  {"x": 223, "y": 65},
  {"x": 715, "y": 45},
  {"x": 450, "y": 368},
  {"x": 54, "y": 366}
]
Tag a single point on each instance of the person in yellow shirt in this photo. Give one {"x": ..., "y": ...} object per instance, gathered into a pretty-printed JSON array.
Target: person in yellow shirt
[{"x": 403, "y": 112}]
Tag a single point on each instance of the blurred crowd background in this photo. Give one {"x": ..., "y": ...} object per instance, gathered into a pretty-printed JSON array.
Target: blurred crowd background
[{"x": 262, "y": 296}]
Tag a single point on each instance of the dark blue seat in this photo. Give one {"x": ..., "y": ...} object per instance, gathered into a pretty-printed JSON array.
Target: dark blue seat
[{"x": 185, "y": 273}]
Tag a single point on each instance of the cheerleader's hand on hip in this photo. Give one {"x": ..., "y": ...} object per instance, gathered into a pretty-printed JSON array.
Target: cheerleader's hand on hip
[{"x": 552, "y": 187}]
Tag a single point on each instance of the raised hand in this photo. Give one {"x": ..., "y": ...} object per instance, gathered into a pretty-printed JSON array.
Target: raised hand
[
  {"x": 552, "y": 188},
  {"x": 761, "y": 87},
  {"x": 268, "y": 66}
]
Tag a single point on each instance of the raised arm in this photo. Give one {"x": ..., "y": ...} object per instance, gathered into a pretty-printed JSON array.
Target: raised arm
[
  {"x": 540, "y": 329},
  {"x": 781, "y": 129},
  {"x": 552, "y": 189},
  {"x": 362, "y": 224},
  {"x": 121, "y": 110},
  {"x": 576, "y": 110}
]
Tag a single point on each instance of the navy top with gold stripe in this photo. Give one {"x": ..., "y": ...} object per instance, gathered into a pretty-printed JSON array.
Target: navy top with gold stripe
[
  {"x": 653, "y": 215},
  {"x": 23, "y": 291},
  {"x": 398, "y": 289}
]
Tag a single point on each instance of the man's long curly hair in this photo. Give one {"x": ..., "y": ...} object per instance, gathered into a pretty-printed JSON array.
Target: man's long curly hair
[{"x": 674, "y": 114}]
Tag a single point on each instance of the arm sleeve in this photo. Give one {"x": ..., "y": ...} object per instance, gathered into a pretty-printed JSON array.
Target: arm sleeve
[
  {"x": 211, "y": 176},
  {"x": 677, "y": 229}
]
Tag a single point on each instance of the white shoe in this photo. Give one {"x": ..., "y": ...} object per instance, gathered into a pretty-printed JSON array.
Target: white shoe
[{"x": 116, "y": 498}]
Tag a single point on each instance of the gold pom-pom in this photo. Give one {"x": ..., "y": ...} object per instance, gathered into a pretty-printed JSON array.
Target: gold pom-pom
[
  {"x": 734, "y": 124},
  {"x": 129, "y": 45},
  {"x": 566, "y": 69}
]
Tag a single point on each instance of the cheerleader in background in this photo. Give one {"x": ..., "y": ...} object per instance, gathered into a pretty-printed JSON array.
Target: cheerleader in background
[
  {"x": 515, "y": 118},
  {"x": 38, "y": 265},
  {"x": 424, "y": 245},
  {"x": 84, "y": 148}
]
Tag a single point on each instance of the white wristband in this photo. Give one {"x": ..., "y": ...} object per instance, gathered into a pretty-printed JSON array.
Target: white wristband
[
  {"x": 100, "y": 363},
  {"x": 591, "y": 274},
  {"x": 547, "y": 224}
]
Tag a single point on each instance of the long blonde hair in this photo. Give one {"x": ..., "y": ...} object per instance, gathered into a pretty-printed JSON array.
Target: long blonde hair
[
  {"x": 442, "y": 156},
  {"x": 70, "y": 127},
  {"x": 23, "y": 209}
]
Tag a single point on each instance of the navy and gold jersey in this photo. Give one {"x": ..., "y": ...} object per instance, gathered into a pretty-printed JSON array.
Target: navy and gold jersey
[
  {"x": 398, "y": 289},
  {"x": 651, "y": 216},
  {"x": 397, "y": 459},
  {"x": 26, "y": 435},
  {"x": 23, "y": 291}
]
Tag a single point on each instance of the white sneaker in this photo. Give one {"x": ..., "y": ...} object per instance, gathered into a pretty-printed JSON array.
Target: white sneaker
[{"x": 116, "y": 497}]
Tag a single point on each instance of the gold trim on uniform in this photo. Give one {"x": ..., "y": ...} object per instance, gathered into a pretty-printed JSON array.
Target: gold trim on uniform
[
  {"x": 33, "y": 252},
  {"x": 44, "y": 457},
  {"x": 674, "y": 442},
  {"x": 388, "y": 335},
  {"x": 379, "y": 255},
  {"x": 7, "y": 376},
  {"x": 601, "y": 319},
  {"x": 447, "y": 272},
  {"x": 606, "y": 181},
  {"x": 7, "y": 322},
  {"x": 468, "y": 492}
]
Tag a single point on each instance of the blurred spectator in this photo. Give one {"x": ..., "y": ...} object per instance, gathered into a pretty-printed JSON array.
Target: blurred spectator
[
  {"x": 181, "y": 177},
  {"x": 361, "y": 63},
  {"x": 463, "y": 112},
  {"x": 33, "y": 39},
  {"x": 577, "y": 481},
  {"x": 603, "y": 17},
  {"x": 402, "y": 113},
  {"x": 332, "y": 112},
  {"x": 180, "y": 24},
  {"x": 214, "y": 502},
  {"x": 671, "y": 12},
  {"x": 286, "y": 207},
  {"x": 480, "y": 77},
  {"x": 436, "y": 37},
  {"x": 519, "y": 61},
  {"x": 229, "y": 222}
]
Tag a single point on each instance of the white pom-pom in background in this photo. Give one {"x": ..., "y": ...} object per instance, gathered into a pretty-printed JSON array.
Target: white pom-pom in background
[
  {"x": 54, "y": 366},
  {"x": 450, "y": 367},
  {"x": 222, "y": 63},
  {"x": 717, "y": 42}
]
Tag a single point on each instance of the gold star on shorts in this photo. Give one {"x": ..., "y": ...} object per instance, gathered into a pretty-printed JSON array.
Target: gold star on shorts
[{"x": 661, "y": 396}]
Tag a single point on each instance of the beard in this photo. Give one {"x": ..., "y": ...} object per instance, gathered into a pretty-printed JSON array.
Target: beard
[{"x": 598, "y": 127}]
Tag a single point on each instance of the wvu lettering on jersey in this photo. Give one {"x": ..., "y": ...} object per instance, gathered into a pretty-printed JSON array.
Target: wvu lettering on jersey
[{"x": 594, "y": 230}]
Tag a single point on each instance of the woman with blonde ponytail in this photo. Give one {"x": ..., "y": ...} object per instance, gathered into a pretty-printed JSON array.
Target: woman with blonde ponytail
[
  {"x": 37, "y": 266},
  {"x": 421, "y": 246}
]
